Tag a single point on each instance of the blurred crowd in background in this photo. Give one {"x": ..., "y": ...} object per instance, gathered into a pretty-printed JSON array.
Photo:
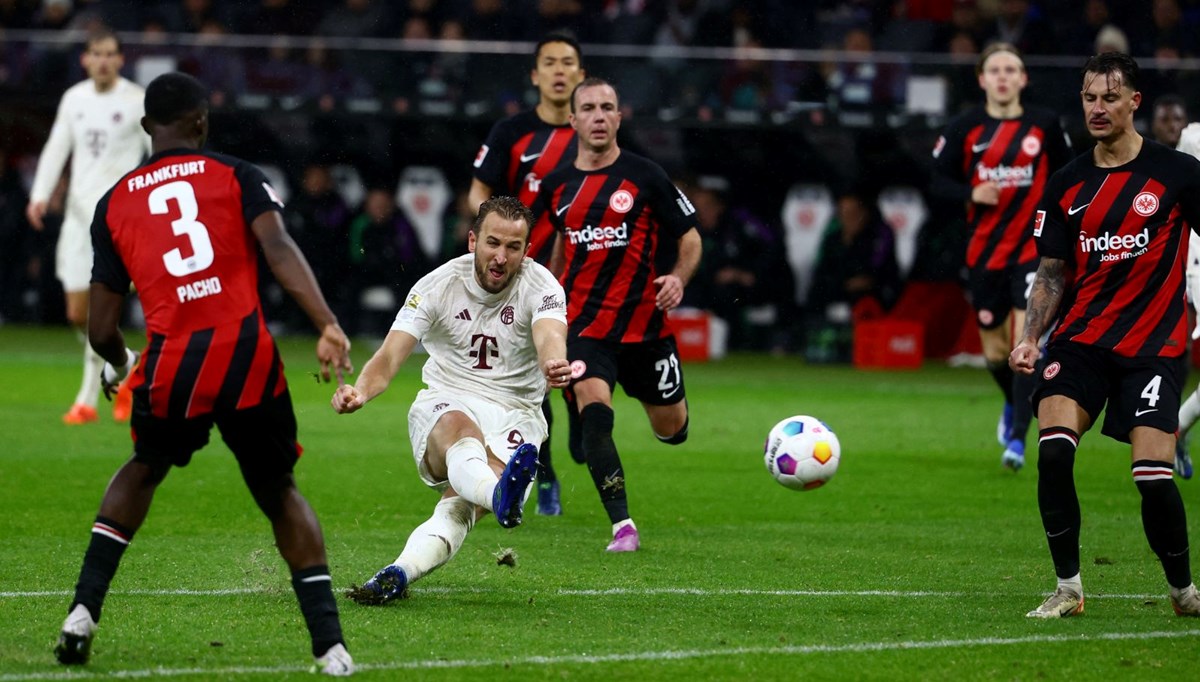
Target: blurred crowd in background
[{"x": 808, "y": 169}]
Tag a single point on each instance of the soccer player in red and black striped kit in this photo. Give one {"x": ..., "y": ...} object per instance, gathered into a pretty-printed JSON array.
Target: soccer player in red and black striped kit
[
  {"x": 997, "y": 159},
  {"x": 185, "y": 228},
  {"x": 614, "y": 212},
  {"x": 1112, "y": 232},
  {"x": 518, "y": 153}
]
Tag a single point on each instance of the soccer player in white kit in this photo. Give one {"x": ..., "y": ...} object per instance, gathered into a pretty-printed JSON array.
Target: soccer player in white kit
[
  {"x": 1189, "y": 411},
  {"x": 98, "y": 125},
  {"x": 494, "y": 324}
]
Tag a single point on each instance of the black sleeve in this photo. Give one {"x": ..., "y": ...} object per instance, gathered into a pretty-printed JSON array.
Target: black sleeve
[
  {"x": 1050, "y": 223},
  {"x": 674, "y": 211},
  {"x": 258, "y": 196},
  {"x": 491, "y": 162},
  {"x": 107, "y": 267},
  {"x": 948, "y": 183},
  {"x": 1189, "y": 198}
]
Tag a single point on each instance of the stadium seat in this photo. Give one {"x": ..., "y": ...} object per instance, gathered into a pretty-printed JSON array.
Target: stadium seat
[
  {"x": 423, "y": 194},
  {"x": 904, "y": 209},
  {"x": 806, "y": 211}
]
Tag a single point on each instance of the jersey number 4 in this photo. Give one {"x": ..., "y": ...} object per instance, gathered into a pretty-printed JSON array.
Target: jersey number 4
[{"x": 186, "y": 225}]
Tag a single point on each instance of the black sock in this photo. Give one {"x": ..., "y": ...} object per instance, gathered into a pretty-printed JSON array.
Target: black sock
[
  {"x": 1022, "y": 388},
  {"x": 108, "y": 543},
  {"x": 314, "y": 590},
  {"x": 545, "y": 472},
  {"x": 1057, "y": 500},
  {"x": 596, "y": 422},
  {"x": 1164, "y": 519},
  {"x": 574, "y": 430},
  {"x": 1003, "y": 375}
]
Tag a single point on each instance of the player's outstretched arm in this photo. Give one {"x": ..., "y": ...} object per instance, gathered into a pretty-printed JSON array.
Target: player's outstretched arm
[
  {"x": 377, "y": 374},
  {"x": 558, "y": 257},
  {"x": 670, "y": 287},
  {"x": 1044, "y": 300},
  {"x": 550, "y": 339},
  {"x": 291, "y": 269}
]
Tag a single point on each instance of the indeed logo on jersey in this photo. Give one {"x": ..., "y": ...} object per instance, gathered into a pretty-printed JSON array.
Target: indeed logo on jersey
[
  {"x": 1006, "y": 176},
  {"x": 596, "y": 238},
  {"x": 1116, "y": 246}
]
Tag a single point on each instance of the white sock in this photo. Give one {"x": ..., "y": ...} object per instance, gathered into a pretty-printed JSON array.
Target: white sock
[
  {"x": 1074, "y": 584},
  {"x": 1189, "y": 412},
  {"x": 89, "y": 387},
  {"x": 470, "y": 475},
  {"x": 436, "y": 541},
  {"x": 621, "y": 524}
]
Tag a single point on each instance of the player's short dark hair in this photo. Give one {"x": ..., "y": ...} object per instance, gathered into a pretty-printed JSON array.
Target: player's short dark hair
[
  {"x": 172, "y": 95},
  {"x": 1170, "y": 100},
  {"x": 508, "y": 208},
  {"x": 100, "y": 35},
  {"x": 591, "y": 82},
  {"x": 993, "y": 49},
  {"x": 1114, "y": 62},
  {"x": 557, "y": 37}
]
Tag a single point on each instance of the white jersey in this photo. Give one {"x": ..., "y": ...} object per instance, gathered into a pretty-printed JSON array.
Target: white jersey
[
  {"x": 481, "y": 343},
  {"x": 102, "y": 133}
]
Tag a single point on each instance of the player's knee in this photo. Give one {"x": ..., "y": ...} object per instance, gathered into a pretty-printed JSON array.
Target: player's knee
[
  {"x": 678, "y": 437},
  {"x": 271, "y": 492}
]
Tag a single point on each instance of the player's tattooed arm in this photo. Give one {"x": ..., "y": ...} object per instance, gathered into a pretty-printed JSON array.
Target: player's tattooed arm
[
  {"x": 1044, "y": 300},
  {"x": 1045, "y": 297}
]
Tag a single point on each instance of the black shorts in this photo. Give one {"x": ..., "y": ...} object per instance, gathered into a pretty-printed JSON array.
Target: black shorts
[
  {"x": 1138, "y": 391},
  {"x": 996, "y": 293},
  {"x": 262, "y": 438},
  {"x": 648, "y": 371}
]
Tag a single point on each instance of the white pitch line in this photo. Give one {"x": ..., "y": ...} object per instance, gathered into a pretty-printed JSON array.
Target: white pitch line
[
  {"x": 634, "y": 657},
  {"x": 607, "y": 592}
]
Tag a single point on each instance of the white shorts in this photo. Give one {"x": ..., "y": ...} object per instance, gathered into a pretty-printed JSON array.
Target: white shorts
[
  {"x": 503, "y": 428},
  {"x": 73, "y": 254}
]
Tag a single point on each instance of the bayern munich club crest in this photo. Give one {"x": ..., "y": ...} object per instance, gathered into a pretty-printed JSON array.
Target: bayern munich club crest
[
  {"x": 1031, "y": 145},
  {"x": 506, "y": 315},
  {"x": 986, "y": 318},
  {"x": 1051, "y": 370},
  {"x": 1145, "y": 204},
  {"x": 621, "y": 201}
]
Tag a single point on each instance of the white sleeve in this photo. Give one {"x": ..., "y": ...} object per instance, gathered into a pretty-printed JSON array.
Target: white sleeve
[
  {"x": 1189, "y": 140},
  {"x": 54, "y": 155}
]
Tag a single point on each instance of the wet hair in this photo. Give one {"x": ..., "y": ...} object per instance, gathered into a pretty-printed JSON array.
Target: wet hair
[
  {"x": 993, "y": 49},
  {"x": 99, "y": 36},
  {"x": 557, "y": 37},
  {"x": 592, "y": 82},
  {"x": 1107, "y": 63},
  {"x": 172, "y": 95},
  {"x": 508, "y": 208}
]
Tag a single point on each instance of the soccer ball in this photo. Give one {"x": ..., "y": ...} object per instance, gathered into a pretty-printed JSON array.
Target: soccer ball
[{"x": 802, "y": 453}]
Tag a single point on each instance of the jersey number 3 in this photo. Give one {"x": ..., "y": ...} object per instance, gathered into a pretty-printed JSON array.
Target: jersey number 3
[{"x": 186, "y": 225}]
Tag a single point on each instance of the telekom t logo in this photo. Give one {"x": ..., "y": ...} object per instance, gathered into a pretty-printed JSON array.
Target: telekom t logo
[{"x": 485, "y": 347}]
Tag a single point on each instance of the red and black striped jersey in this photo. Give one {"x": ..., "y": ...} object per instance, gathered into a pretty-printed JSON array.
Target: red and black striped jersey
[
  {"x": 613, "y": 223},
  {"x": 1019, "y": 155},
  {"x": 178, "y": 228},
  {"x": 1123, "y": 232},
  {"x": 518, "y": 153}
]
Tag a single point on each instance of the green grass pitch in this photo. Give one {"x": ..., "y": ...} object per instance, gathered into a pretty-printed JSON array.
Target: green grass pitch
[{"x": 918, "y": 560}]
